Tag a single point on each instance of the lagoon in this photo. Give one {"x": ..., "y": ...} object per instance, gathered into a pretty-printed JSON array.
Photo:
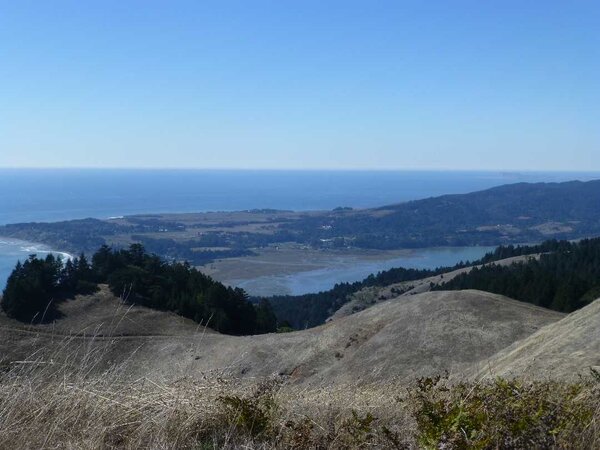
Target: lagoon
[{"x": 355, "y": 269}]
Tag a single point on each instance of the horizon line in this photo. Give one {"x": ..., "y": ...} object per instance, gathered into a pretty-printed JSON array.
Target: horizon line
[{"x": 288, "y": 169}]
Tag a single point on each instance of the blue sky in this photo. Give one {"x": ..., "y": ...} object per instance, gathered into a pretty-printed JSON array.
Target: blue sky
[{"x": 494, "y": 85}]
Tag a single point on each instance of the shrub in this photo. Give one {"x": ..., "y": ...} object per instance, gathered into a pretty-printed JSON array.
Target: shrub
[
  {"x": 253, "y": 415},
  {"x": 500, "y": 414}
]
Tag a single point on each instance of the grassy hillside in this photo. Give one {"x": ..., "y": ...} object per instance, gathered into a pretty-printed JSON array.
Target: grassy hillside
[
  {"x": 419, "y": 335},
  {"x": 373, "y": 295},
  {"x": 560, "y": 347},
  {"x": 309, "y": 310},
  {"x": 57, "y": 409},
  {"x": 364, "y": 381}
]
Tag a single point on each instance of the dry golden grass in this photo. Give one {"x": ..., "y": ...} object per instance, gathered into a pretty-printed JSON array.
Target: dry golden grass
[
  {"x": 68, "y": 395},
  {"x": 50, "y": 405}
]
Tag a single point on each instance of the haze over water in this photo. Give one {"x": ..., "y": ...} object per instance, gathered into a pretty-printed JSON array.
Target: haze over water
[{"x": 59, "y": 194}]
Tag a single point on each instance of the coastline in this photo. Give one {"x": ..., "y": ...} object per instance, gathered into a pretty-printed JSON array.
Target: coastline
[{"x": 13, "y": 250}]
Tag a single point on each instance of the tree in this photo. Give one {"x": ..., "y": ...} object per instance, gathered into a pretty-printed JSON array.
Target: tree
[
  {"x": 30, "y": 289},
  {"x": 266, "y": 321},
  {"x": 139, "y": 277}
]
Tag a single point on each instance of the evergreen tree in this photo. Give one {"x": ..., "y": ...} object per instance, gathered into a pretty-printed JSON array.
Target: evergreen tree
[
  {"x": 31, "y": 288},
  {"x": 266, "y": 321}
]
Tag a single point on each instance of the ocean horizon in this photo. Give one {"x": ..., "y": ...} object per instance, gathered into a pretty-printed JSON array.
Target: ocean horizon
[{"x": 48, "y": 195}]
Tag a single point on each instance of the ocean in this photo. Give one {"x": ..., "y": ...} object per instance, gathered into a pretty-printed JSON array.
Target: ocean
[
  {"x": 46, "y": 195},
  {"x": 58, "y": 194}
]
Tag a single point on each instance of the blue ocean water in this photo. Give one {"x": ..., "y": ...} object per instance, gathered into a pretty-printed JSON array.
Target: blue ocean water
[
  {"x": 43, "y": 195},
  {"x": 58, "y": 194}
]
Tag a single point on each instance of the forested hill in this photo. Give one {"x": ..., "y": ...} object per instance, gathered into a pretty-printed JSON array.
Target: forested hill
[
  {"x": 515, "y": 213},
  {"x": 36, "y": 285},
  {"x": 535, "y": 200},
  {"x": 565, "y": 279}
]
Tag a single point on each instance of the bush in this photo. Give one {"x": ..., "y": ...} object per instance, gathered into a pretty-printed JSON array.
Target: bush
[
  {"x": 506, "y": 414},
  {"x": 254, "y": 415},
  {"x": 47, "y": 406}
]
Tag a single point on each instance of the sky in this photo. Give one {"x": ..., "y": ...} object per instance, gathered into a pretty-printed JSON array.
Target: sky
[{"x": 444, "y": 85}]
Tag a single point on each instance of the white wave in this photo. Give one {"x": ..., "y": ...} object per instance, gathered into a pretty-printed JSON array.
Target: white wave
[
  {"x": 63, "y": 255},
  {"x": 31, "y": 249}
]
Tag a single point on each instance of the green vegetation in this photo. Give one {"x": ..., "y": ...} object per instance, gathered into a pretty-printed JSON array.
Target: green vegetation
[
  {"x": 489, "y": 415},
  {"x": 310, "y": 310},
  {"x": 502, "y": 414},
  {"x": 565, "y": 279},
  {"x": 254, "y": 414},
  {"x": 186, "y": 250},
  {"x": 35, "y": 287}
]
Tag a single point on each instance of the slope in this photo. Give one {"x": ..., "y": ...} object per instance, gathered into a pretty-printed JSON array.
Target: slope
[
  {"x": 396, "y": 340},
  {"x": 367, "y": 297},
  {"x": 563, "y": 349}
]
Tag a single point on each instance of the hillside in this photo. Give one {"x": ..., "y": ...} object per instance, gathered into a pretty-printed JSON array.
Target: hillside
[
  {"x": 565, "y": 279},
  {"x": 161, "y": 382},
  {"x": 421, "y": 334},
  {"x": 568, "y": 347},
  {"x": 559, "y": 275},
  {"x": 369, "y": 296},
  {"x": 522, "y": 212},
  {"x": 102, "y": 314}
]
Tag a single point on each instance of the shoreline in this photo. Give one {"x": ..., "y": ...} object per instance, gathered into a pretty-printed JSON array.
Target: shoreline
[
  {"x": 13, "y": 250},
  {"x": 32, "y": 248}
]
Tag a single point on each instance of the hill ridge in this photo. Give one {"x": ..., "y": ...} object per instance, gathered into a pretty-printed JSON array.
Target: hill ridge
[{"x": 405, "y": 337}]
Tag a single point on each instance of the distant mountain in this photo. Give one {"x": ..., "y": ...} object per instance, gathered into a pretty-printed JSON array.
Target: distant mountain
[{"x": 515, "y": 213}]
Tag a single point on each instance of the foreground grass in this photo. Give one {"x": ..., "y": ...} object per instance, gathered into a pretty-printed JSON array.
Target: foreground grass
[{"x": 45, "y": 407}]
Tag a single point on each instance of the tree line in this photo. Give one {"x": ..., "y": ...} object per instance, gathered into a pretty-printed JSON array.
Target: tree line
[
  {"x": 36, "y": 285},
  {"x": 564, "y": 279}
]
